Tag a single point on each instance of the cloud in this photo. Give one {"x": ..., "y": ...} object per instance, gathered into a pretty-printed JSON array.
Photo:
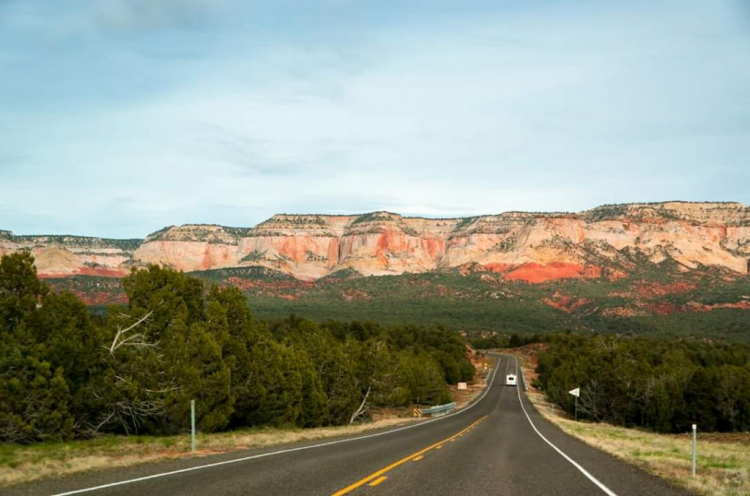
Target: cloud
[
  {"x": 552, "y": 108},
  {"x": 152, "y": 14},
  {"x": 221, "y": 144}
]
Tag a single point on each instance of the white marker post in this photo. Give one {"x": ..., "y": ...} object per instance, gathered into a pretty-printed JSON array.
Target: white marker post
[
  {"x": 695, "y": 437},
  {"x": 576, "y": 392},
  {"x": 192, "y": 425}
]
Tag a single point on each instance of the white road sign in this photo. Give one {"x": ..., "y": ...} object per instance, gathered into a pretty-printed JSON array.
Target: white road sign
[{"x": 575, "y": 392}]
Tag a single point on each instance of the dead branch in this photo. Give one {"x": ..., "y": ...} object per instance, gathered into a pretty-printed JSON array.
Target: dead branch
[
  {"x": 362, "y": 407},
  {"x": 137, "y": 340}
]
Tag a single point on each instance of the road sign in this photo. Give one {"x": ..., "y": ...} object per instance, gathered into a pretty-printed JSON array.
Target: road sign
[
  {"x": 462, "y": 386},
  {"x": 576, "y": 392}
]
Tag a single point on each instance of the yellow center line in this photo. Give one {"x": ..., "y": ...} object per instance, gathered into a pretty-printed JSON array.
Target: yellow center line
[
  {"x": 393, "y": 465},
  {"x": 378, "y": 481},
  {"x": 439, "y": 447},
  {"x": 417, "y": 458}
]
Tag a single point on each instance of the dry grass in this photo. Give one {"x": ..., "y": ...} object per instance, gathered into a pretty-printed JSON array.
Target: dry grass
[
  {"x": 722, "y": 465},
  {"x": 27, "y": 463},
  {"x": 20, "y": 464}
]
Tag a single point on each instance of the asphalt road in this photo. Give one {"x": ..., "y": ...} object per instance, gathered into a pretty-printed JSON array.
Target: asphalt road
[{"x": 492, "y": 447}]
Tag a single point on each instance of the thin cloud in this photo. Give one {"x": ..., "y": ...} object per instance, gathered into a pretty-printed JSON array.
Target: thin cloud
[
  {"x": 231, "y": 112},
  {"x": 152, "y": 14}
]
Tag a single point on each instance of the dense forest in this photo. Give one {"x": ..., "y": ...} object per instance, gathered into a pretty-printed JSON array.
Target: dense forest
[
  {"x": 67, "y": 373},
  {"x": 654, "y": 299},
  {"x": 664, "y": 385},
  {"x": 134, "y": 369}
]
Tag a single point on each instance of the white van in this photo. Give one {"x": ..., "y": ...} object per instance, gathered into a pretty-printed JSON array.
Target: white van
[{"x": 511, "y": 380}]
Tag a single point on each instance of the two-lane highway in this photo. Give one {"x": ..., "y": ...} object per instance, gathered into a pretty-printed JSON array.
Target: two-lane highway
[{"x": 499, "y": 445}]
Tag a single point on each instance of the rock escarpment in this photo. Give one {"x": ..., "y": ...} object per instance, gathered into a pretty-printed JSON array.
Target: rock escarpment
[
  {"x": 60, "y": 256},
  {"x": 603, "y": 242}
]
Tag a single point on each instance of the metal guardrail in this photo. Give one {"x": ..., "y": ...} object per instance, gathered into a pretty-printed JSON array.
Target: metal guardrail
[{"x": 439, "y": 409}]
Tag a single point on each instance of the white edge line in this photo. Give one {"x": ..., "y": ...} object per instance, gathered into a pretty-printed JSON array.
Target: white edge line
[
  {"x": 593, "y": 479},
  {"x": 301, "y": 448}
]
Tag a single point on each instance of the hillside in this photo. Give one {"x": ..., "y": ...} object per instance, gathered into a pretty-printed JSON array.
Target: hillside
[
  {"x": 672, "y": 268},
  {"x": 656, "y": 299},
  {"x": 609, "y": 241}
]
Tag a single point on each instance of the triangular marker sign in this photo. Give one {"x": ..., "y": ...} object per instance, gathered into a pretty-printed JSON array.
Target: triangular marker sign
[{"x": 575, "y": 392}]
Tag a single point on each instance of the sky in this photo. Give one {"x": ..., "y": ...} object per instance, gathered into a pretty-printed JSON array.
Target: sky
[{"x": 120, "y": 117}]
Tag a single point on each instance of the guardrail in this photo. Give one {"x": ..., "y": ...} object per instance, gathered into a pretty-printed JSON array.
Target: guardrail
[{"x": 436, "y": 411}]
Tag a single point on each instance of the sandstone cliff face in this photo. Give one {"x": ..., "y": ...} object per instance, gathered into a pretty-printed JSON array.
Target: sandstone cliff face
[
  {"x": 532, "y": 247},
  {"x": 60, "y": 256}
]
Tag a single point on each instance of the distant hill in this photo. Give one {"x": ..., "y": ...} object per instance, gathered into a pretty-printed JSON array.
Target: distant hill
[
  {"x": 607, "y": 242},
  {"x": 674, "y": 267}
]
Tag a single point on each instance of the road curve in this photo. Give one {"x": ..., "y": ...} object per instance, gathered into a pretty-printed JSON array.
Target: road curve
[{"x": 498, "y": 446}]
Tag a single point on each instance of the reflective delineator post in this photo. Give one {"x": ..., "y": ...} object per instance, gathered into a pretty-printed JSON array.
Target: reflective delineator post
[
  {"x": 695, "y": 437},
  {"x": 192, "y": 425}
]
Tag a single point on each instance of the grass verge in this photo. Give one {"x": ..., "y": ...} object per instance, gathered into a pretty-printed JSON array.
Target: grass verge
[
  {"x": 723, "y": 461},
  {"x": 26, "y": 463}
]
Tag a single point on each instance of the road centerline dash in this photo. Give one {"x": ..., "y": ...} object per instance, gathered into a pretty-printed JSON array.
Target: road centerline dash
[
  {"x": 379, "y": 473},
  {"x": 378, "y": 481}
]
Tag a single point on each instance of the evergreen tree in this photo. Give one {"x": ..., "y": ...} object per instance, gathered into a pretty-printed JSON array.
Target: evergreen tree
[{"x": 34, "y": 395}]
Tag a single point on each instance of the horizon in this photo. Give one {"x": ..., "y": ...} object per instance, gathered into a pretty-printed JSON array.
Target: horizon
[
  {"x": 120, "y": 117},
  {"x": 360, "y": 214}
]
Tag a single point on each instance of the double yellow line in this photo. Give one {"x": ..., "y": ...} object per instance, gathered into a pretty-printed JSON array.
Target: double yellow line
[{"x": 415, "y": 456}]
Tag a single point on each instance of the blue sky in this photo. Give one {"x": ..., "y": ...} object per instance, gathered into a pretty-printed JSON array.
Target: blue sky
[{"x": 119, "y": 117}]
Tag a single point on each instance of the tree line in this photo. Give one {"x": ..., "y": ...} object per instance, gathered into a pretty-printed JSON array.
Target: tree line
[
  {"x": 496, "y": 340},
  {"x": 65, "y": 373},
  {"x": 664, "y": 385}
]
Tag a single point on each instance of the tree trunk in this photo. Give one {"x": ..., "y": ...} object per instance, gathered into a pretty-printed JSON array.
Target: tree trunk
[{"x": 361, "y": 408}]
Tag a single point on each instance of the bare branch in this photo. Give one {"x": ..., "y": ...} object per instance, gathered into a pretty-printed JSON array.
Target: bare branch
[
  {"x": 362, "y": 407},
  {"x": 137, "y": 340}
]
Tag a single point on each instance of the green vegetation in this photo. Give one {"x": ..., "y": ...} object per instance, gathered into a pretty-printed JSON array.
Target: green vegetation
[
  {"x": 257, "y": 274},
  {"x": 375, "y": 217},
  {"x": 237, "y": 232},
  {"x": 654, "y": 300},
  {"x": 67, "y": 374},
  {"x": 466, "y": 222},
  {"x": 461, "y": 302},
  {"x": 721, "y": 464},
  {"x": 348, "y": 273},
  {"x": 605, "y": 212},
  {"x": 290, "y": 221},
  {"x": 127, "y": 245},
  {"x": 88, "y": 285},
  {"x": 664, "y": 385},
  {"x": 253, "y": 256}
]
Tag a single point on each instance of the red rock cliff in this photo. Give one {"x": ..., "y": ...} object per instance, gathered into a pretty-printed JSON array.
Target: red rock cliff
[{"x": 524, "y": 246}]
